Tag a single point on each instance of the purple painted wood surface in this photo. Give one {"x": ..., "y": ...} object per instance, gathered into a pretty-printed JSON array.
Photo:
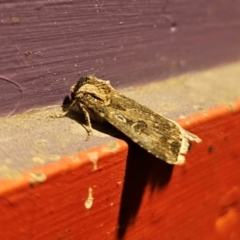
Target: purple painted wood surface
[{"x": 45, "y": 46}]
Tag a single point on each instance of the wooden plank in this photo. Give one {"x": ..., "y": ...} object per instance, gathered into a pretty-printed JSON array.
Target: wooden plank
[
  {"x": 43, "y": 193},
  {"x": 75, "y": 197},
  {"x": 47, "y": 45},
  {"x": 199, "y": 200},
  {"x": 40, "y": 139}
]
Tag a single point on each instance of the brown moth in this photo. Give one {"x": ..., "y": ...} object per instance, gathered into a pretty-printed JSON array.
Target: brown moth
[{"x": 160, "y": 136}]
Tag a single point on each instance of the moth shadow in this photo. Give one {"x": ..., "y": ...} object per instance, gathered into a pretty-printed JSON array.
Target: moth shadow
[{"x": 142, "y": 170}]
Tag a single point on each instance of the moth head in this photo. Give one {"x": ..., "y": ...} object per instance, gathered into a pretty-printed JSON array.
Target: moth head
[
  {"x": 74, "y": 89},
  {"x": 98, "y": 89}
]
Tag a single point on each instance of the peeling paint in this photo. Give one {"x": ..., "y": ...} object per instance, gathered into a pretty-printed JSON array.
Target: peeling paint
[
  {"x": 93, "y": 156},
  {"x": 89, "y": 201},
  {"x": 37, "y": 177}
]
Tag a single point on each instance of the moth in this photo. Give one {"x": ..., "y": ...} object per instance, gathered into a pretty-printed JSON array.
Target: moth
[{"x": 160, "y": 136}]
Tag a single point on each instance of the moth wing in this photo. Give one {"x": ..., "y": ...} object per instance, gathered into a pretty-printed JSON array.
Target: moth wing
[{"x": 160, "y": 136}]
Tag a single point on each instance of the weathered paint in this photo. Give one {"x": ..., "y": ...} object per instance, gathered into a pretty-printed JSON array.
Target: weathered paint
[{"x": 46, "y": 46}]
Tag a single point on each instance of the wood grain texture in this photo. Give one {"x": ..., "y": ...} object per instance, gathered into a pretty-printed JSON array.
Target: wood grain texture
[{"x": 46, "y": 45}]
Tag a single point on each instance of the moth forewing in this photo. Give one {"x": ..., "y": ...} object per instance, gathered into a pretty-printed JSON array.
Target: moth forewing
[
  {"x": 162, "y": 137},
  {"x": 159, "y": 135}
]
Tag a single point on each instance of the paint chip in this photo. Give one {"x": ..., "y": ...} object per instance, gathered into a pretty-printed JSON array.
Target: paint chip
[
  {"x": 37, "y": 177},
  {"x": 89, "y": 202},
  {"x": 93, "y": 156}
]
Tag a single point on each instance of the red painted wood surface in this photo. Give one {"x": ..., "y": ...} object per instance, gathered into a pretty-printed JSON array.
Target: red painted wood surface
[
  {"x": 199, "y": 200},
  {"x": 56, "y": 208}
]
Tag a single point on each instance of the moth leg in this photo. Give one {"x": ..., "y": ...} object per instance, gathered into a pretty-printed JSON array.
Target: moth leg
[{"x": 87, "y": 117}]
